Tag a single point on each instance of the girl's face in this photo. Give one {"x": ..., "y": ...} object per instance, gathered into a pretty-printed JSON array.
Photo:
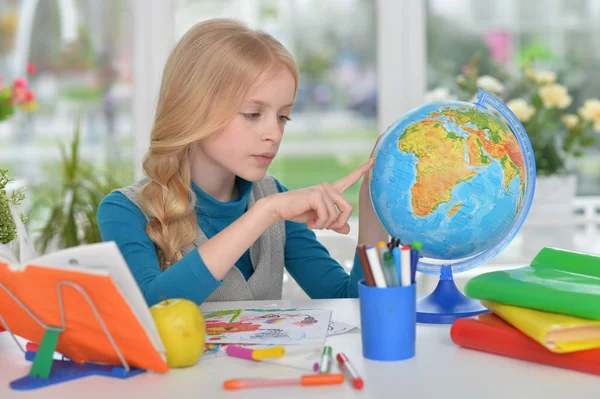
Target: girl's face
[{"x": 251, "y": 140}]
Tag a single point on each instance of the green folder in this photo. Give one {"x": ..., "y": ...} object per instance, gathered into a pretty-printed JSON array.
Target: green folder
[{"x": 557, "y": 281}]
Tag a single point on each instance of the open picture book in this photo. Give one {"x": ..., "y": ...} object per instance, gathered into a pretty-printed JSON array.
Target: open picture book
[{"x": 58, "y": 290}]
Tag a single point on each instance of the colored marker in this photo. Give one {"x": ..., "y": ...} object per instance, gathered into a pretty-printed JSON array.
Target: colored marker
[
  {"x": 326, "y": 359},
  {"x": 405, "y": 265},
  {"x": 31, "y": 347},
  {"x": 396, "y": 257},
  {"x": 268, "y": 353},
  {"x": 364, "y": 263},
  {"x": 380, "y": 249},
  {"x": 414, "y": 258},
  {"x": 255, "y": 354},
  {"x": 376, "y": 267},
  {"x": 305, "y": 380},
  {"x": 389, "y": 270},
  {"x": 347, "y": 367}
]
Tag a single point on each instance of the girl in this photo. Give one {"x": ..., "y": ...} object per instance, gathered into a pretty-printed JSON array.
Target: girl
[{"x": 207, "y": 223}]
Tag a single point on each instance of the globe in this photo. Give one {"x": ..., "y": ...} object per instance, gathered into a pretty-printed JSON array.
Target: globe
[{"x": 456, "y": 176}]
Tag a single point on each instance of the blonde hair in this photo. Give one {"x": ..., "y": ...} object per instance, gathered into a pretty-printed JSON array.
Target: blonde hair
[{"x": 205, "y": 80}]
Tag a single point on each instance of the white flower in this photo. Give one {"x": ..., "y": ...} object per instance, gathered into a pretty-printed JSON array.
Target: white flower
[
  {"x": 555, "y": 95},
  {"x": 571, "y": 121},
  {"x": 531, "y": 74},
  {"x": 591, "y": 112},
  {"x": 521, "y": 109},
  {"x": 490, "y": 84},
  {"x": 545, "y": 77},
  {"x": 439, "y": 94}
]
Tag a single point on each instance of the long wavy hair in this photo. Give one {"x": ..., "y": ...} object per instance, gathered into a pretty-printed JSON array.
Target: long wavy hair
[{"x": 206, "y": 78}]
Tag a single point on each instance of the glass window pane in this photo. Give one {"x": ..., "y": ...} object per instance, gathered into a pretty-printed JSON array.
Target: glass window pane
[
  {"x": 82, "y": 55},
  {"x": 334, "y": 121}
]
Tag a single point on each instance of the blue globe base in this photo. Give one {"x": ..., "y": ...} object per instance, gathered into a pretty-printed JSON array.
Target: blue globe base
[{"x": 446, "y": 303}]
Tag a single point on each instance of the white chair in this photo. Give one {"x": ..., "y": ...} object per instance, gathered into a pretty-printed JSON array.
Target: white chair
[{"x": 340, "y": 247}]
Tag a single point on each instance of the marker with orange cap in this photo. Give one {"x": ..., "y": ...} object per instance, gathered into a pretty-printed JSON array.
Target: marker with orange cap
[
  {"x": 305, "y": 380},
  {"x": 345, "y": 365}
]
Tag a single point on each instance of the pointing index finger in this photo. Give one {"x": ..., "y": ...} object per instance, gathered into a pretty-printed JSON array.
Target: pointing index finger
[{"x": 348, "y": 181}]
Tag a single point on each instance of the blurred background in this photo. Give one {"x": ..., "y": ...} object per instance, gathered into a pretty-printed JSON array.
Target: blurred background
[{"x": 92, "y": 69}]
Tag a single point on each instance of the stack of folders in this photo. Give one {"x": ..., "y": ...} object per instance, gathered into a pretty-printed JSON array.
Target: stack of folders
[
  {"x": 389, "y": 264},
  {"x": 548, "y": 312}
]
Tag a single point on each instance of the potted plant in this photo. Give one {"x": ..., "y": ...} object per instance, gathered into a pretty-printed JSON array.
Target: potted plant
[
  {"x": 8, "y": 227},
  {"x": 64, "y": 208},
  {"x": 557, "y": 130}
]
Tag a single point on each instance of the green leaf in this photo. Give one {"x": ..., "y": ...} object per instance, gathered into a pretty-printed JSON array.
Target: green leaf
[
  {"x": 587, "y": 141},
  {"x": 537, "y": 102}
]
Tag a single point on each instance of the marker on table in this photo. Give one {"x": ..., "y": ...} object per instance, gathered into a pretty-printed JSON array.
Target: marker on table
[
  {"x": 255, "y": 354},
  {"x": 305, "y": 380},
  {"x": 376, "y": 269},
  {"x": 326, "y": 360},
  {"x": 345, "y": 365}
]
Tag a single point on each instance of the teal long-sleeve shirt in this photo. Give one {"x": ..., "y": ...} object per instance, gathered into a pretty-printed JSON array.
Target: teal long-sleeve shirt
[{"x": 306, "y": 259}]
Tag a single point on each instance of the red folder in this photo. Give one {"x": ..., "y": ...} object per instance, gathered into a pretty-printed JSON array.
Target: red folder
[{"x": 488, "y": 333}]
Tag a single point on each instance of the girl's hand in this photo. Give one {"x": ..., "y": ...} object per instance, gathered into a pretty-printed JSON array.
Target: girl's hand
[{"x": 318, "y": 206}]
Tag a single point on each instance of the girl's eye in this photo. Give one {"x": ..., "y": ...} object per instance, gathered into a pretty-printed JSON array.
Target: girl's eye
[
  {"x": 284, "y": 118},
  {"x": 252, "y": 115}
]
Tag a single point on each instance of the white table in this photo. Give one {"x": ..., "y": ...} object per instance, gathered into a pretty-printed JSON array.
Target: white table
[{"x": 439, "y": 370}]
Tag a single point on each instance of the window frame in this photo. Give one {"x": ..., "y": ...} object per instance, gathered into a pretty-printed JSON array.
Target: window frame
[{"x": 154, "y": 37}]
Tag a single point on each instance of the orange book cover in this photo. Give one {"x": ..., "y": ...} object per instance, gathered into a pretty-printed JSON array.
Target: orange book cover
[
  {"x": 489, "y": 333},
  {"x": 113, "y": 293}
]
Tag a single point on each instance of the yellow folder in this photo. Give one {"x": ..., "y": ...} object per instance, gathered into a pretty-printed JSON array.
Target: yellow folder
[{"x": 558, "y": 333}]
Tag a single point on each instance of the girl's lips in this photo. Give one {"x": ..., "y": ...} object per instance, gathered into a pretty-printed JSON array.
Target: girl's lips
[{"x": 264, "y": 159}]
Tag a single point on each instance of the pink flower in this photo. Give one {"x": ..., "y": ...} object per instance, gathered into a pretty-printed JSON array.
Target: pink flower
[{"x": 20, "y": 83}]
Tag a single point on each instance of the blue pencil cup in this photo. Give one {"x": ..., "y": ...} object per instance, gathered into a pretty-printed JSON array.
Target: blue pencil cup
[{"x": 388, "y": 322}]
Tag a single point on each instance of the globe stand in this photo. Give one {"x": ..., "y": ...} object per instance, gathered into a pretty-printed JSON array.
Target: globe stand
[{"x": 446, "y": 303}]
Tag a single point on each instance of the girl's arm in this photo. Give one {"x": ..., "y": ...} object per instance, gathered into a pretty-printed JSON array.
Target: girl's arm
[{"x": 315, "y": 206}]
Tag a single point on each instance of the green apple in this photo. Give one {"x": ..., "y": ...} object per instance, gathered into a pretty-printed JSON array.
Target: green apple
[{"x": 180, "y": 324}]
